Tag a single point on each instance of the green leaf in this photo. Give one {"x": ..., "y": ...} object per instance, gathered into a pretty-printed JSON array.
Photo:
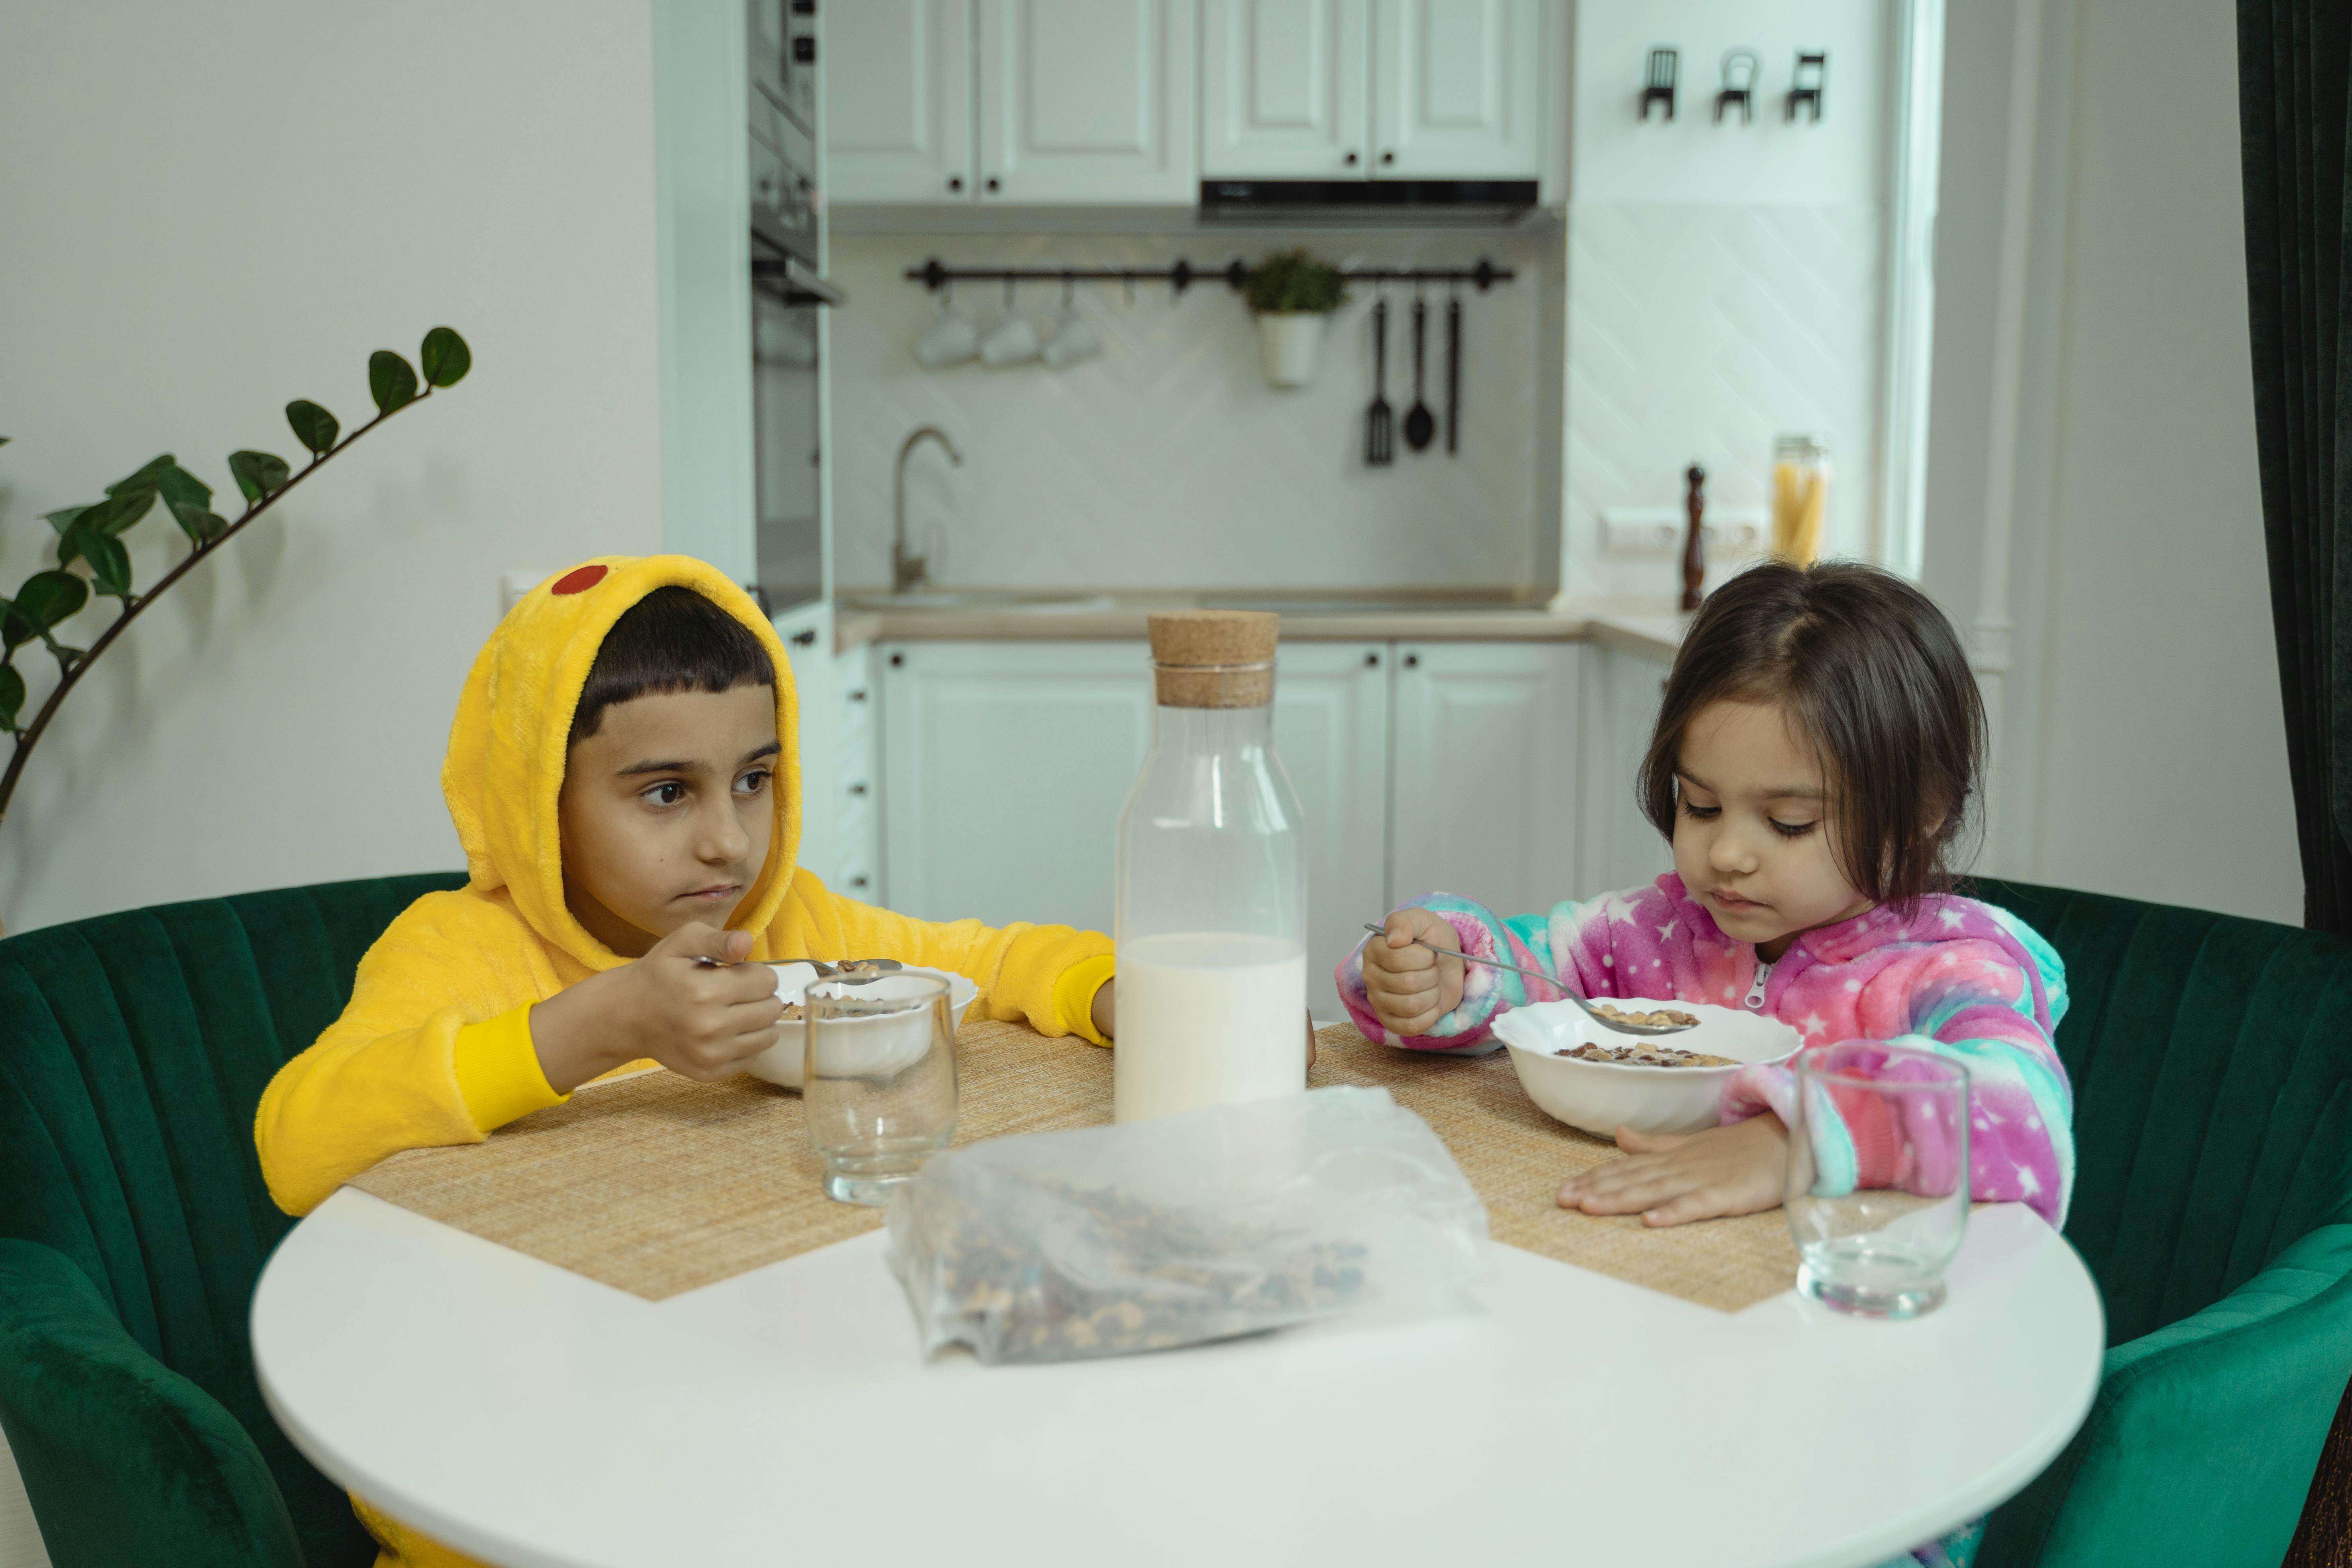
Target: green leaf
[
  {"x": 391, "y": 382},
  {"x": 445, "y": 357},
  {"x": 313, "y": 426},
  {"x": 202, "y": 527},
  {"x": 147, "y": 478},
  {"x": 258, "y": 474},
  {"x": 180, "y": 488},
  {"x": 62, "y": 520},
  {"x": 109, "y": 564},
  {"x": 12, "y": 696},
  {"x": 46, "y": 599},
  {"x": 14, "y": 629},
  {"x": 116, "y": 512}
]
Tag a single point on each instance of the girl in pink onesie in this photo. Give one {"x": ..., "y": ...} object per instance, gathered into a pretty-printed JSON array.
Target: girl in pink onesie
[{"x": 1814, "y": 762}]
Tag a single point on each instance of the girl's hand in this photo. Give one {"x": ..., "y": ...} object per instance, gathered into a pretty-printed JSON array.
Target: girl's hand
[
  {"x": 1410, "y": 988},
  {"x": 1723, "y": 1171}
]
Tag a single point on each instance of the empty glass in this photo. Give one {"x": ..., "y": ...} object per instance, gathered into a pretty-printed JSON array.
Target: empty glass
[
  {"x": 879, "y": 1090},
  {"x": 1877, "y": 1189}
]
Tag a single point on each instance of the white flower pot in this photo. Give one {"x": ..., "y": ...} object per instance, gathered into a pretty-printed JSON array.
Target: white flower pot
[{"x": 1289, "y": 342}]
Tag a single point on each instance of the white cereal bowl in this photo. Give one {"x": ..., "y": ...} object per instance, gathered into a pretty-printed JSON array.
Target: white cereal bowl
[
  {"x": 1601, "y": 1097},
  {"x": 786, "y": 1061}
]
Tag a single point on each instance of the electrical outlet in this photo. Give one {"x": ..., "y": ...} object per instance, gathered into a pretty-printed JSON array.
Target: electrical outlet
[{"x": 1729, "y": 532}]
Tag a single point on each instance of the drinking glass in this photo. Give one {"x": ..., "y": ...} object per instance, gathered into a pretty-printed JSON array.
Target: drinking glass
[
  {"x": 1877, "y": 1189},
  {"x": 879, "y": 1090}
]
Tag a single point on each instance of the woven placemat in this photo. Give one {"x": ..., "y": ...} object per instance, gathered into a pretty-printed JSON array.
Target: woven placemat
[{"x": 657, "y": 1184}]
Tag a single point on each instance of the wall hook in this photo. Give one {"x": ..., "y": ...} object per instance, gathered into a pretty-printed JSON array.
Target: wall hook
[
  {"x": 1660, "y": 86},
  {"x": 1810, "y": 79},
  {"x": 1739, "y": 68}
]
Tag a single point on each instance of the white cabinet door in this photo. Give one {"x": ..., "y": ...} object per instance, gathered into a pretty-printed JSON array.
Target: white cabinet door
[
  {"x": 1004, "y": 766},
  {"x": 1455, "y": 90},
  {"x": 1282, "y": 89},
  {"x": 1620, "y": 848},
  {"x": 898, "y": 98},
  {"x": 1485, "y": 737},
  {"x": 1089, "y": 101},
  {"x": 1330, "y": 729}
]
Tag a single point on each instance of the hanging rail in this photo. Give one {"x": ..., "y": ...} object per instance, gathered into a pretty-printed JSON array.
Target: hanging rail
[{"x": 936, "y": 275}]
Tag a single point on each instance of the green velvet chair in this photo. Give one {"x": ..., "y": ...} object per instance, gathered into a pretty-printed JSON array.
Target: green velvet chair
[
  {"x": 2211, "y": 1061},
  {"x": 2212, "y": 1067},
  {"x": 133, "y": 1223}
]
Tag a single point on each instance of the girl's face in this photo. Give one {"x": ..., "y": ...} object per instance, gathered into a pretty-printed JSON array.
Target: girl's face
[{"x": 1752, "y": 828}]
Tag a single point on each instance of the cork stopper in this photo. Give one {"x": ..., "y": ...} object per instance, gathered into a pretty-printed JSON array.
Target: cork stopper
[{"x": 1214, "y": 658}]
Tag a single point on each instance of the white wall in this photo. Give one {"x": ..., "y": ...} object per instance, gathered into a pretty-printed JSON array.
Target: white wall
[
  {"x": 212, "y": 208},
  {"x": 2143, "y": 746},
  {"x": 1168, "y": 461}
]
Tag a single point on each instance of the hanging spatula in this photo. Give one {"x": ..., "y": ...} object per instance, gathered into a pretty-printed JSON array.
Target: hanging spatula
[{"x": 1380, "y": 448}]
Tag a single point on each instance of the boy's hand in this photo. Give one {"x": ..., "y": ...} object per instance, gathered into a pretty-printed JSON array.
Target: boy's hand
[
  {"x": 1410, "y": 987},
  {"x": 1728, "y": 1170},
  {"x": 696, "y": 1019}
]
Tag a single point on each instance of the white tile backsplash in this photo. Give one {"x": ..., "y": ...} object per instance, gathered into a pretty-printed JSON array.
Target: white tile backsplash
[{"x": 1168, "y": 461}]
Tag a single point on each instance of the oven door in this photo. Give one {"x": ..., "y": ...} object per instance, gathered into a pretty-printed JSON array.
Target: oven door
[{"x": 787, "y": 439}]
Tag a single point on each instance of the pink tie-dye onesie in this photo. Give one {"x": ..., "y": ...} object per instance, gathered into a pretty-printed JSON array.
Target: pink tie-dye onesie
[{"x": 1955, "y": 977}]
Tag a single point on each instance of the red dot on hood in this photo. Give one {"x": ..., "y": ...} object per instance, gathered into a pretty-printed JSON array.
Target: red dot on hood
[{"x": 580, "y": 579}]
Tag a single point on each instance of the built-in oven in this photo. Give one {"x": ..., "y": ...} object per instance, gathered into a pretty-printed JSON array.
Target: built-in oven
[{"x": 788, "y": 294}]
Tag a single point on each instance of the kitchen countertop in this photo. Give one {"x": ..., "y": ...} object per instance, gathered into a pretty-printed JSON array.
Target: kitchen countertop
[{"x": 1644, "y": 624}]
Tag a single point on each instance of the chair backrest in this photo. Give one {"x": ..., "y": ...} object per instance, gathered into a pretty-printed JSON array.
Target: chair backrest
[
  {"x": 133, "y": 1051},
  {"x": 2212, "y": 1062}
]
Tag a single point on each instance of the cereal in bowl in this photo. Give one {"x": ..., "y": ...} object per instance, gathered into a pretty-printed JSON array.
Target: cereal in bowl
[{"x": 1647, "y": 1057}]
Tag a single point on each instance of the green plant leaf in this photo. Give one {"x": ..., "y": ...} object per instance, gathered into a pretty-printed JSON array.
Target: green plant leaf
[
  {"x": 12, "y": 696},
  {"x": 258, "y": 474},
  {"x": 444, "y": 357},
  {"x": 148, "y": 477},
  {"x": 180, "y": 488},
  {"x": 62, "y": 520},
  {"x": 116, "y": 512},
  {"x": 48, "y": 598},
  {"x": 202, "y": 527},
  {"x": 109, "y": 564},
  {"x": 391, "y": 382},
  {"x": 313, "y": 426},
  {"x": 14, "y": 629}
]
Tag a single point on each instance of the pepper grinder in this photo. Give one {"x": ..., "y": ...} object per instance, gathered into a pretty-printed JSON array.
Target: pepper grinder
[{"x": 1694, "y": 547}]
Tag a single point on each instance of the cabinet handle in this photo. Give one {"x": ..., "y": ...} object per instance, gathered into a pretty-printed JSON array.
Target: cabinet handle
[
  {"x": 857, "y": 881},
  {"x": 1388, "y": 157},
  {"x": 897, "y": 661},
  {"x": 1371, "y": 661},
  {"x": 955, "y": 182},
  {"x": 1352, "y": 160},
  {"x": 857, "y": 789},
  {"x": 1413, "y": 661},
  {"x": 804, "y": 50},
  {"x": 991, "y": 181},
  {"x": 857, "y": 695},
  {"x": 804, "y": 639}
]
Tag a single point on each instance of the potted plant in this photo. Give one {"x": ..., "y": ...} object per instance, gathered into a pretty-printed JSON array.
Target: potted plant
[{"x": 1290, "y": 292}]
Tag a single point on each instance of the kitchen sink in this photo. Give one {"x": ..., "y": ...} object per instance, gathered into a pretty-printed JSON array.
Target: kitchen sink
[{"x": 1008, "y": 603}]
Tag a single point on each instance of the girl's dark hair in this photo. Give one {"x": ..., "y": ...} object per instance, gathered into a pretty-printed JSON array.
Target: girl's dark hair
[
  {"x": 673, "y": 639},
  {"x": 1873, "y": 677}
]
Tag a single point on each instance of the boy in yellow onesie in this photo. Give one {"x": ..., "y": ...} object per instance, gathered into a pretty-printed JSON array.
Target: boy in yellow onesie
[{"x": 625, "y": 777}]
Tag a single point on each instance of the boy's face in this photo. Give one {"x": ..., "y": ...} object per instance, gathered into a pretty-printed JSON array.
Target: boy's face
[{"x": 666, "y": 812}]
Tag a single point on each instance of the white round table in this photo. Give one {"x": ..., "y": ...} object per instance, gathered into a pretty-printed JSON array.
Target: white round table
[{"x": 531, "y": 1417}]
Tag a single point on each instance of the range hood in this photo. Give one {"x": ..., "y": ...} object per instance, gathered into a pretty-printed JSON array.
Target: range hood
[{"x": 1366, "y": 202}]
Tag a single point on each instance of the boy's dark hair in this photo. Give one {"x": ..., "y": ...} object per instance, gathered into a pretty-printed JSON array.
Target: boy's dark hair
[
  {"x": 673, "y": 639},
  {"x": 1875, "y": 678}
]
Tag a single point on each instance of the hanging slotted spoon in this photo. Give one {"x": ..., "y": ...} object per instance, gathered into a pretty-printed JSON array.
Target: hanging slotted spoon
[
  {"x": 1598, "y": 1016},
  {"x": 1378, "y": 445}
]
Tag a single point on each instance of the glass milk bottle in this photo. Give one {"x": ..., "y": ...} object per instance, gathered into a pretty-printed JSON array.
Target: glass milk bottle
[{"x": 1212, "y": 922}]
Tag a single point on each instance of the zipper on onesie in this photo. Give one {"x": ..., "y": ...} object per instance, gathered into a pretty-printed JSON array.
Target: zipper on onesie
[{"x": 1754, "y": 1002}]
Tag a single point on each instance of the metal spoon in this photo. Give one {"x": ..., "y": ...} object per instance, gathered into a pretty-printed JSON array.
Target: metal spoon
[
  {"x": 1603, "y": 1019},
  {"x": 1419, "y": 423}
]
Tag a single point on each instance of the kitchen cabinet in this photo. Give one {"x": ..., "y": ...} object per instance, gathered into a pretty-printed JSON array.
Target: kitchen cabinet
[
  {"x": 1004, "y": 765},
  {"x": 1013, "y": 102},
  {"x": 840, "y": 784},
  {"x": 1484, "y": 743},
  {"x": 1282, "y": 89},
  {"x": 1323, "y": 89},
  {"x": 1620, "y": 849},
  {"x": 897, "y": 100},
  {"x": 1456, "y": 85},
  {"x": 1331, "y": 730}
]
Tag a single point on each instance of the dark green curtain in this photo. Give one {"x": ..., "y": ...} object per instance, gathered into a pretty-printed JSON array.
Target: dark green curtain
[{"x": 2293, "y": 59}]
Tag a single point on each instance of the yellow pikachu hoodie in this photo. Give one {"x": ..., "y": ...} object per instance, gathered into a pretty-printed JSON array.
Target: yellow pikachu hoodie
[{"x": 435, "y": 1044}]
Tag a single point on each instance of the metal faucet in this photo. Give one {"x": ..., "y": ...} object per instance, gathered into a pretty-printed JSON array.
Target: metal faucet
[{"x": 908, "y": 570}]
